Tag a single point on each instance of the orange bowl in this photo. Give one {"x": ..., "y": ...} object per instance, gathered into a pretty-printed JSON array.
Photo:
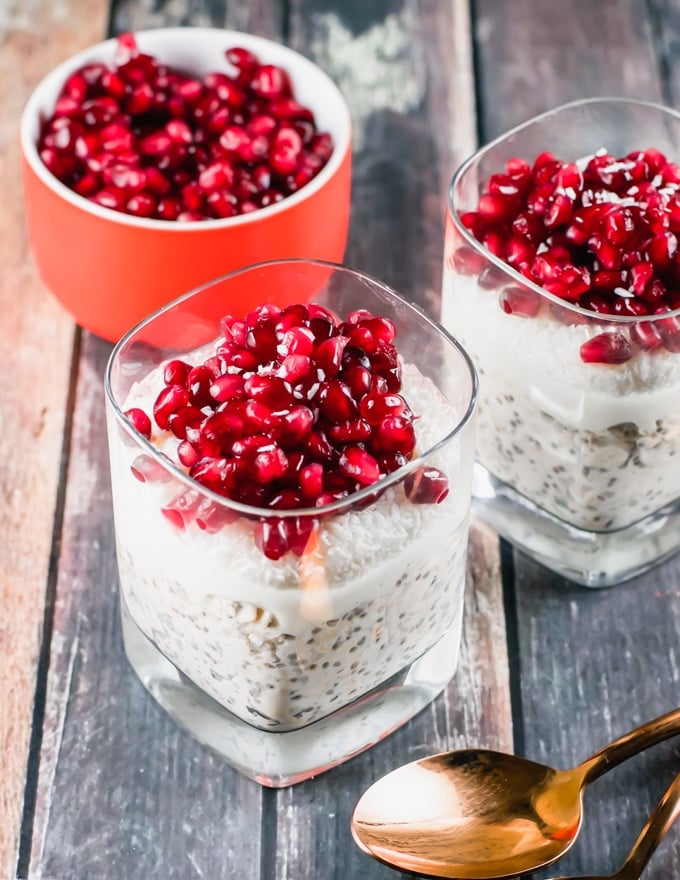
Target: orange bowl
[{"x": 110, "y": 269}]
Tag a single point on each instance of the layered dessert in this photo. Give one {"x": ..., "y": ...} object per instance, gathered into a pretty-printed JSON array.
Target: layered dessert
[
  {"x": 579, "y": 381},
  {"x": 286, "y": 549}
]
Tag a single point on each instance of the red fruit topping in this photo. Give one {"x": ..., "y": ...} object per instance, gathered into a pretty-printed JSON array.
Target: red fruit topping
[
  {"x": 145, "y": 139},
  {"x": 606, "y": 348},
  {"x": 601, "y": 233},
  {"x": 426, "y": 485},
  {"x": 294, "y": 409},
  {"x": 360, "y": 465},
  {"x": 171, "y": 398},
  {"x": 139, "y": 421}
]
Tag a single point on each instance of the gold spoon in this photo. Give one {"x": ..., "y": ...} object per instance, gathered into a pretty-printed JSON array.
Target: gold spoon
[
  {"x": 476, "y": 814},
  {"x": 658, "y": 824}
]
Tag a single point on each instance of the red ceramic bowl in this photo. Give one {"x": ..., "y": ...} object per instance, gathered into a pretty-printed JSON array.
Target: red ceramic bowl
[{"x": 110, "y": 269}]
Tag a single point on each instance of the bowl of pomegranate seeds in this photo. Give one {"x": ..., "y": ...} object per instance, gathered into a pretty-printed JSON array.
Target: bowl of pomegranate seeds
[
  {"x": 562, "y": 279},
  {"x": 155, "y": 162},
  {"x": 291, "y": 496}
]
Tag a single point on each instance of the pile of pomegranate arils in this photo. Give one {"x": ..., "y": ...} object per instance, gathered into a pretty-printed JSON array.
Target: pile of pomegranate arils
[
  {"x": 295, "y": 409},
  {"x": 147, "y": 140},
  {"x": 601, "y": 233}
]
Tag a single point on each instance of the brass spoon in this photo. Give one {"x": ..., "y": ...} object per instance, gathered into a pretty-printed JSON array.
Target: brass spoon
[
  {"x": 476, "y": 814},
  {"x": 658, "y": 824}
]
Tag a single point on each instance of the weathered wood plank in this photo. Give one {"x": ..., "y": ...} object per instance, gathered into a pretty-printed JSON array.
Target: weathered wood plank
[
  {"x": 405, "y": 70},
  {"x": 122, "y": 791},
  {"x": 591, "y": 664},
  {"x": 36, "y": 342}
]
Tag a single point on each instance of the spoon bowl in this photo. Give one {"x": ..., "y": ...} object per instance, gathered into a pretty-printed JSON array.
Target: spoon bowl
[{"x": 475, "y": 814}]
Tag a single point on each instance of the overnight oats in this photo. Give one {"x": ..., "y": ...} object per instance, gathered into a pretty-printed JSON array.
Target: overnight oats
[
  {"x": 291, "y": 483},
  {"x": 562, "y": 280}
]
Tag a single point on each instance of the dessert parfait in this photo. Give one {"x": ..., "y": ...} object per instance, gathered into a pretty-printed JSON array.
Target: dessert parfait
[
  {"x": 562, "y": 279},
  {"x": 291, "y": 496}
]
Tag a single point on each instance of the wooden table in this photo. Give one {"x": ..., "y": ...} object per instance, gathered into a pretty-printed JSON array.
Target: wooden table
[{"x": 96, "y": 783}]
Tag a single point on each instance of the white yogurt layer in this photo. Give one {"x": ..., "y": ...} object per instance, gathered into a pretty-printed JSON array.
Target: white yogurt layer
[
  {"x": 284, "y": 643},
  {"x": 594, "y": 444}
]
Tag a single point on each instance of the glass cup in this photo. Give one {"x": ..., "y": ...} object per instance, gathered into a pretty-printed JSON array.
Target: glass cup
[
  {"x": 289, "y": 666},
  {"x": 576, "y": 461}
]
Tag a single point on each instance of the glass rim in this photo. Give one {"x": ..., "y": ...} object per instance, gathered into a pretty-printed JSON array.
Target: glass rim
[
  {"x": 506, "y": 268},
  {"x": 343, "y": 504}
]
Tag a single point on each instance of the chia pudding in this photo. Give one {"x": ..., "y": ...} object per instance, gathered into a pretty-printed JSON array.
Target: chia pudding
[
  {"x": 576, "y": 340},
  {"x": 283, "y": 639},
  {"x": 591, "y": 444}
]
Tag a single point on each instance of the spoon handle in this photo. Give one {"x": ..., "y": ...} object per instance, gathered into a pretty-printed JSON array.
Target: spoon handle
[
  {"x": 630, "y": 744},
  {"x": 658, "y": 824}
]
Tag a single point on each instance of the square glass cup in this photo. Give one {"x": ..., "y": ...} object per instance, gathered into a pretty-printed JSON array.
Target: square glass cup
[
  {"x": 576, "y": 463},
  {"x": 289, "y": 666}
]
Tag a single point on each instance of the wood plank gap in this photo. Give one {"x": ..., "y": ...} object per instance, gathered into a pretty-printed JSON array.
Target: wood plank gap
[
  {"x": 269, "y": 826},
  {"x": 476, "y": 62},
  {"x": 40, "y": 698},
  {"x": 507, "y": 562}
]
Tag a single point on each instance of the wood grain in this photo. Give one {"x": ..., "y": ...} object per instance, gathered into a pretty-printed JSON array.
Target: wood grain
[
  {"x": 405, "y": 70},
  {"x": 150, "y": 801},
  {"x": 122, "y": 791},
  {"x": 36, "y": 342},
  {"x": 591, "y": 665}
]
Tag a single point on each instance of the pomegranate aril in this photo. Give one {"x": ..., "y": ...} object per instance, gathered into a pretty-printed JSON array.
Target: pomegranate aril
[
  {"x": 350, "y": 431},
  {"x": 296, "y": 426},
  {"x": 358, "y": 378},
  {"x": 294, "y": 368},
  {"x": 645, "y": 335},
  {"x": 271, "y": 538},
  {"x": 328, "y": 353},
  {"x": 394, "y": 434},
  {"x": 311, "y": 480},
  {"x": 385, "y": 363},
  {"x": 520, "y": 301},
  {"x": 285, "y": 150},
  {"x": 296, "y": 340},
  {"x": 199, "y": 381},
  {"x": 187, "y": 454},
  {"x": 183, "y": 418},
  {"x": 669, "y": 328},
  {"x": 262, "y": 341},
  {"x": 216, "y": 474},
  {"x": 139, "y": 421},
  {"x": 375, "y": 406},
  {"x": 219, "y": 432},
  {"x": 269, "y": 390},
  {"x": 301, "y": 533},
  {"x": 606, "y": 348},
  {"x": 391, "y": 461},
  {"x": 171, "y": 398},
  {"x": 269, "y": 464},
  {"x": 270, "y": 81},
  {"x": 335, "y": 401},
  {"x": 318, "y": 448},
  {"x": 228, "y": 387},
  {"x": 360, "y": 465},
  {"x": 260, "y": 417},
  {"x": 426, "y": 485}
]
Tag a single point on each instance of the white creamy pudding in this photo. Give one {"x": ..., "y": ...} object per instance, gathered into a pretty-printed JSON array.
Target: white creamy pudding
[
  {"x": 593, "y": 444},
  {"x": 283, "y": 643}
]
